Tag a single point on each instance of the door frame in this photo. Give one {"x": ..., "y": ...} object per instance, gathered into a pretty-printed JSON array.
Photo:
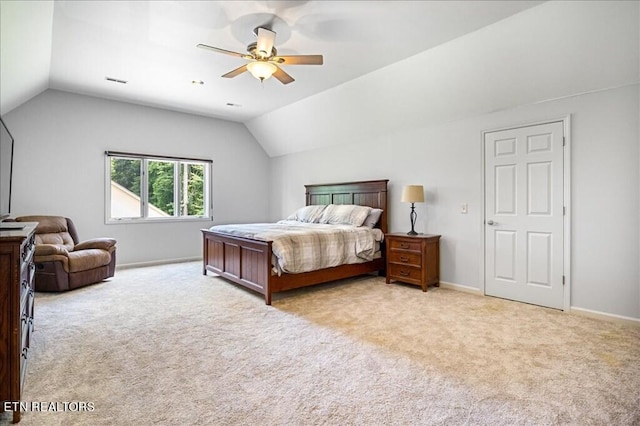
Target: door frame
[{"x": 566, "y": 222}]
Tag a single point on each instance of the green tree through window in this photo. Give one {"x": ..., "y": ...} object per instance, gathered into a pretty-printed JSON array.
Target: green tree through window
[
  {"x": 192, "y": 191},
  {"x": 162, "y": 185},
  {"x": 126, "y": 172},
  {"x": 174, "y": 187}
]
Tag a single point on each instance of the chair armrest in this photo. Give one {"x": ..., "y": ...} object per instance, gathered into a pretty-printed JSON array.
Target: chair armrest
[
  {"x": 96, "y": 243},
  {"x": 50, "y": 249}
]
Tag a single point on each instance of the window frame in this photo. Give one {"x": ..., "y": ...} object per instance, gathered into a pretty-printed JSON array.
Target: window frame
[{"x": 178, "y": 162}]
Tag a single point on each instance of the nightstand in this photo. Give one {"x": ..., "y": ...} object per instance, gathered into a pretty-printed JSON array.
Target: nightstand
[{"x": 413, "y": 259}]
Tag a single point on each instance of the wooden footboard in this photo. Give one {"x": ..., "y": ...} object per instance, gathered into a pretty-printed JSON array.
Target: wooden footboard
[
  {"x": 243, "y": 261},
  {"x": 248, "y": 263}
]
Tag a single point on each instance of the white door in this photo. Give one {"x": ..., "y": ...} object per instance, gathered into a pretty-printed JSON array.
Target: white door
[{"x": 524, "y": 214}]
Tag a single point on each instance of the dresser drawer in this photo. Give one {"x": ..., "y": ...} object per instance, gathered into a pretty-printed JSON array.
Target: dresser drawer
[
  {"x": 405, "y": 257},
  {"x": 27, "y": 274},
  {"x": 25, "y": 325},
  {"x": 27, "y": 248},
  {"x": 400, "y": 244},
  {"x": 29, "y": 307},
  {"x": 27, "y": 267},
  {"x": 405, "y": 273},
  {"x": 24, "y": 357}
]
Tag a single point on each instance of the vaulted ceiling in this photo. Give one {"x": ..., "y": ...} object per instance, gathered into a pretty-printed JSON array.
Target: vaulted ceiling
[
  {"x": 388, "y": 65},
  {"x": 75, "y": 45}
]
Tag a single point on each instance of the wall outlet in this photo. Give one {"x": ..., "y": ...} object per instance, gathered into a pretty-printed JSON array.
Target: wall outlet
[{"x": 464, "y": 208}]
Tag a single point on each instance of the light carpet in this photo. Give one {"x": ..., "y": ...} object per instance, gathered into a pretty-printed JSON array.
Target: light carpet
[{"x": 166, "y": 345}]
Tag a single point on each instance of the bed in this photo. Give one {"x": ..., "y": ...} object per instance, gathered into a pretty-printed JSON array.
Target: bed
[{"x": 248, "y": 262}]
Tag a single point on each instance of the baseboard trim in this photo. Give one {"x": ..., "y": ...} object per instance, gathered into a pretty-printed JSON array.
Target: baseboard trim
[
  {"x": 605, "y": 316},
  {"x": 572, "y": 310},
  {"x": 157, "y": 262},
  {"x": 464, "y": 288}
]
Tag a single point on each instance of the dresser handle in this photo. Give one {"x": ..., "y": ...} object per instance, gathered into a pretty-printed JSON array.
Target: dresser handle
[
  {"x": 404, "y": 273},
  {"x": 403, "y": 245},
  {"x": 404, "y": 259}
]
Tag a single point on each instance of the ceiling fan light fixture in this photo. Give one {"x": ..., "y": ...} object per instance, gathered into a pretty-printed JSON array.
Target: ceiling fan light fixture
[{"x": 261, "y": 70}]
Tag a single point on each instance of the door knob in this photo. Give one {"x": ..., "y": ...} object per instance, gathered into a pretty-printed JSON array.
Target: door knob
[{"x": 492, "y": 223}]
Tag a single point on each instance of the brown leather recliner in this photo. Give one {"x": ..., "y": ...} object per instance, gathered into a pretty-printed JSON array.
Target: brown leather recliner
[{"x": 63, "y": 263}]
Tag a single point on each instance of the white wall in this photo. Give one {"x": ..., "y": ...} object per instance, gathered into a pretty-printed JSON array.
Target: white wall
[
  {"x": 60, "y": 140},
  {"x": 420, "y": 121},
  {"x": 447, "y": 160}
]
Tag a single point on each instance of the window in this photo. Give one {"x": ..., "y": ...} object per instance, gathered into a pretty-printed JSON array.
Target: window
[{"x": 148, "y": 187}]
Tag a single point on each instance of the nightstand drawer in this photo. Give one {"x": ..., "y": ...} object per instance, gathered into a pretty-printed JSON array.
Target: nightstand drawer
[
  {"x": 400, "y": 244},
  {"x": 405, "y": 257},
  {"x": 405, "y": 273}
]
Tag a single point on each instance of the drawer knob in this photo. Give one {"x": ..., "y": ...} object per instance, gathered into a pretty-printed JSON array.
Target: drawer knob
[
  {"x": 404, "y": 258},
  {"x": 404, "y": 273},
  {"x": 403, "y": 245}
]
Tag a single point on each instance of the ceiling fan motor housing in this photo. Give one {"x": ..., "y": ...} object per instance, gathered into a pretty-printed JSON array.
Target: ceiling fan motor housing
[{"x": 251, "y": 48}]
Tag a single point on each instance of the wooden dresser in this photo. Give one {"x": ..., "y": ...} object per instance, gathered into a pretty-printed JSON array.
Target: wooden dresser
[
  {"x": 413, "y": 259},
  {"x": 17, "y": 273}
]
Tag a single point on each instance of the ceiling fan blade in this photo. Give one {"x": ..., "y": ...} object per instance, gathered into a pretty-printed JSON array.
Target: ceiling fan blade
[
  {"x": 299, "y": 60},
  {"x": 235, "y": 72},
  {"x": 226, "y": 52},
  {"x": 282, "y": 76},
  {"x": 266, "y": 38}
]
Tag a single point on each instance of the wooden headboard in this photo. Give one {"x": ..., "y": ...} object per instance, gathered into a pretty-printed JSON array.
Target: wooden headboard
[{"x": 371, "y": 193}]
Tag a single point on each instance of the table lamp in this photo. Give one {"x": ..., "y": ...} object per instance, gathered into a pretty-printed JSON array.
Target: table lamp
[{"x": 413, "y": 194}]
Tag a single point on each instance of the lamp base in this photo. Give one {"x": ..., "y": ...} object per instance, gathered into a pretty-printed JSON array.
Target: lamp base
[{"x": 413, "y": 216}]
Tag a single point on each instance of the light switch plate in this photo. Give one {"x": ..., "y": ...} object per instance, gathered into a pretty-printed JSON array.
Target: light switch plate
[{"x": 464, "y": 208}]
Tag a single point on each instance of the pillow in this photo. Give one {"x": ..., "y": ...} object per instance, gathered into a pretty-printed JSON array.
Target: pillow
[
  {"x": 309, "y": 214},
  {"x": 345, "y": 214},
  {"x": 373, "y": 218}
]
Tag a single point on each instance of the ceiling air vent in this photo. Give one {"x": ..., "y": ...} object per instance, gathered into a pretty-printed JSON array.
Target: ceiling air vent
[{"x": 116, "y": 80}]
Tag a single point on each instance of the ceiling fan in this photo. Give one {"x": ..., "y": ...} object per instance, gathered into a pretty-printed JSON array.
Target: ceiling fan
[{"x": 264, "y": 59}]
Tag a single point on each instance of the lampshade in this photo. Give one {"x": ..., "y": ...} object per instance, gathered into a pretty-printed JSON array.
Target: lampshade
[
  {"x": 261, "y": 70},
  {"x": 413, "y": 194}
]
